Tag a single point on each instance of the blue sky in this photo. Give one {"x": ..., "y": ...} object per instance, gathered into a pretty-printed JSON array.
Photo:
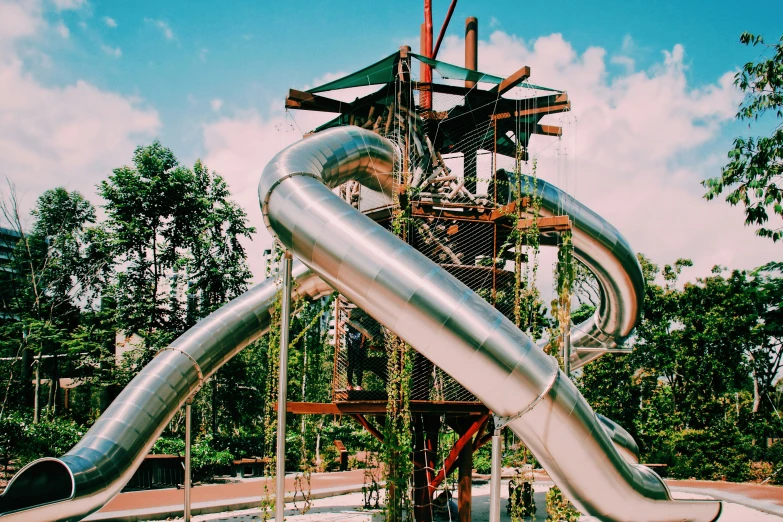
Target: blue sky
[
  {"x": 179, "y": 55},
  {"x": 82, "y": 82}
]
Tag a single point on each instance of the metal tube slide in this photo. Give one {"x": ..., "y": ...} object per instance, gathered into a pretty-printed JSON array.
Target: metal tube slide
[
  {"x": 454, "y": 327},
  {"x": 99, "y": 466},
  {"x": 606, "y": 253}
]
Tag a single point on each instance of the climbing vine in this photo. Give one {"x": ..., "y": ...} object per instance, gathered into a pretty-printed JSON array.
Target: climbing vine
[
  {"x": 270, "y": 396},
  {"x": 565, "y": 274},
  {"x": 398, "y": 442}
]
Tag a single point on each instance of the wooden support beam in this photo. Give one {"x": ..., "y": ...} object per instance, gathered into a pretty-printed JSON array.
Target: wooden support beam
[
  {"x": 480, "y": 432},
  {"x": 379, "y": 407},
  {"x": 375, "y": 432},
  {"x": 547, "y": 224},
  {"x": 548, "y": 130},
  {"x": 451, "y": 460},
  {"x": 465, "y": 484},
  {"x": 512, "y": 81},
  {"x": 547, "y": 109},
  {"x": 312, "y": 102}
]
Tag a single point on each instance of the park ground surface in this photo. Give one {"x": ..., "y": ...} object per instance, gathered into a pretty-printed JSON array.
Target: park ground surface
[{"x": 337, "y": 496}]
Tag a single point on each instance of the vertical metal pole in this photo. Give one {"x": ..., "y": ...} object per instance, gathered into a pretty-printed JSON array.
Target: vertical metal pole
[
  {"x": 188, "y": 403},
  {"x": 282, "y": 389},
  {"x": 471, "y": 47},
  {"x": 567, "y": 349},
  {"x": 494, "y": 485}
]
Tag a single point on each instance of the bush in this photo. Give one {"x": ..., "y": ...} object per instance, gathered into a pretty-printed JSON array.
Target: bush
[
  {"x": 23, "y": 442},
  {"x": 718, "y": 453},
  {"x": 206, "y": 461},
  {"x": 482, "y": 460},
  {"x": 559, "y": 508}
]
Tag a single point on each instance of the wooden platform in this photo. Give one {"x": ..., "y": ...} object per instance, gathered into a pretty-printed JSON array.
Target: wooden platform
[{"x": 379, "y": 407}]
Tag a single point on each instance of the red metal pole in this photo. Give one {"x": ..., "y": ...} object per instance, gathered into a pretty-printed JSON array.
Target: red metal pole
[
  {"x": 443, "y": 28},
  {"x": 425, "y": 97}
]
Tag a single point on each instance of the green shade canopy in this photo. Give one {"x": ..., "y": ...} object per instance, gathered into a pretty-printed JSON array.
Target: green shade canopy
[
  {"x": 383, "y": 71},
  {"x": 454, "y": 72},
  {"x": 377, "y": 73}
]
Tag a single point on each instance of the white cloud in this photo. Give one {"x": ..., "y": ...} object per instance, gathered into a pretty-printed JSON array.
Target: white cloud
[
  {"x": 71, "y": 135},
  {"x": 163, "y": 26},
  {"x": 116, "y": 52},
  {"x": 202, "y": 54},
  {"x": 216, "y": 104},
  {"x": 62, "y": 30},
  {"x": 238, "y": 147},
  {"x": 643, "y": 141},
  {"x": 18, "y": 20},
  {"x": 109, "y": 22},
  {"x": 635, "y": 147}
]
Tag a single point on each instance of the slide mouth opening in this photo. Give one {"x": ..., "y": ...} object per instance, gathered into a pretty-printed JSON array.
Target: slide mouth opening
[{"x": 41, "y": 482}]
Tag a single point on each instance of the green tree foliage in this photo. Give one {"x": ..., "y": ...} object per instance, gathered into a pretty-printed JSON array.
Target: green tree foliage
[
  {"x": 171, "y": 227},
  {"x": 701, "y": 377},
  {"x": 51, "y": 275},
  {"x": 753, "y": 174}
]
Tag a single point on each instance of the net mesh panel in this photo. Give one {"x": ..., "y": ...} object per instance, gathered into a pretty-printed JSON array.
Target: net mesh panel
[
  {"x": 476, "y": 253},
  {"x": 457, "y": 156}
]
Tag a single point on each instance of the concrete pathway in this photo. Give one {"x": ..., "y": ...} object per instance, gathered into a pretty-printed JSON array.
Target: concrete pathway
[{"x": 332, "y": 492}]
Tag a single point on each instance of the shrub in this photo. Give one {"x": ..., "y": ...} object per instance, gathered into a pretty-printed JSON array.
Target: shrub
[
  {"x": 718, "y": 453},
  {"x": 559, "y": 508},
  {"x": 206, "y": 461},
  {"x": 23, "y": 442},
  {"x": 482, "y": 460}
]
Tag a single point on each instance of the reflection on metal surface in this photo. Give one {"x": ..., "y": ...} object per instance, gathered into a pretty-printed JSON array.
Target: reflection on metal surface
[
  {"x": 606, "y": 253},
  {"x": 106, "y": 458},
  {"x": 459, "y": 331},
  {"x": 426, "y": 306}
]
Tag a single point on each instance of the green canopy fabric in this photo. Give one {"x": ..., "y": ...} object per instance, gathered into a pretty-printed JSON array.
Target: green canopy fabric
[
  {"x": 383, "y": 71},
  {"x": 379, "y": 72},
  {"x": 454, "y": 72}
]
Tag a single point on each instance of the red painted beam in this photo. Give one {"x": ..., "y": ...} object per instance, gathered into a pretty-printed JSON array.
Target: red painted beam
[
  {"x": 368, "y": 426},
  {"x": 451, "y": 461},
  {"x": 443, "y": 28}
]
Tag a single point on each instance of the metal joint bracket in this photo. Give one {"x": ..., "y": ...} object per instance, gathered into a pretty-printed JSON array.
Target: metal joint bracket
[
  {"x": 501, "y": 422},
  {"x": 269, "y": 191},
  {"x": 195, "y": 365}
]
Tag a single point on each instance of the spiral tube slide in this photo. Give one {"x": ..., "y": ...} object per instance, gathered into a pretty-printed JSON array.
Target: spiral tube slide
[
  {"x": 409, "y": 294},
  {"x": 460, "y": 332},
  {"x": 99, "y": 466}
]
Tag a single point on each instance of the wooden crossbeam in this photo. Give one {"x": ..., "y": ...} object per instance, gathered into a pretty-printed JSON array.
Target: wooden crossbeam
[
  {"x": 547, "y": 224},
  {"x": 451, "y": 460},
  {"x": 512, "y": 81},
  {"x": 312, "y": 102},
  {"x": 551, "y": 109},
  {"x": 548, "y": 130},
  {"x": 375, "y": 432},
  {"x": 379, "y": 407}
]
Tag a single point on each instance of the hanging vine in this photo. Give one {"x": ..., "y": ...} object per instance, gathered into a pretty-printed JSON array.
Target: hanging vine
[
  {"x": 270, "y": 396},
  {"x": 398, "y": 442},
  {"x": 565, "y": 274}
]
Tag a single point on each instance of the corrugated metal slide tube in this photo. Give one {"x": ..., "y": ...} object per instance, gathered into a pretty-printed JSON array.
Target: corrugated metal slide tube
[
  {"x": 99, "y": 466},
  {"x": 452, "y": 326}
]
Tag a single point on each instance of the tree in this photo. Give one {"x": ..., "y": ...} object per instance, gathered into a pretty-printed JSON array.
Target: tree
[
  {"x": 51, "y": 274},
  {"x": 174, "y": 232},
  {"x": 754, "y": 173}
]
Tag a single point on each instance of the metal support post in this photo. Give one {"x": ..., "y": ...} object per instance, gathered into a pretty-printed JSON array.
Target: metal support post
[
  {"x": 567, "y": 349},
  {"x": 188, "y": 404},
  {"x": 494, "y": 491},
  {"x": 282, "y": 389}
]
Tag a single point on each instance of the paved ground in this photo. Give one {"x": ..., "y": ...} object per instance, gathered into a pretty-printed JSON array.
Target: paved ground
[
  {"x": 744, "y": 501},
  {"x": 346, "y": 507}
]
